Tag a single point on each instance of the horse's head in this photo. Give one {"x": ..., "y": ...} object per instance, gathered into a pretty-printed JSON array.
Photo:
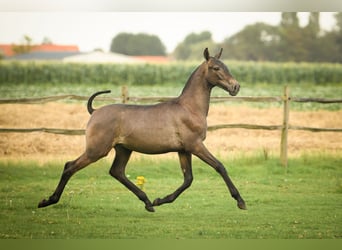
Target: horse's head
[{"x": 218, "y": 74}]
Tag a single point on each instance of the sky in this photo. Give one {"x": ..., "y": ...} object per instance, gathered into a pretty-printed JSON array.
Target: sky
[{"x": 91, "y": 30}]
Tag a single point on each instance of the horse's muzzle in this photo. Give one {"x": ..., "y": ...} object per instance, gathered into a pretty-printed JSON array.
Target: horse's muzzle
[{"x": 234, "y": 89}]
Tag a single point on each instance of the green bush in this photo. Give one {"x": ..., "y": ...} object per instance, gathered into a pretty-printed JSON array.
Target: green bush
[{"x": 150, "y": 74}]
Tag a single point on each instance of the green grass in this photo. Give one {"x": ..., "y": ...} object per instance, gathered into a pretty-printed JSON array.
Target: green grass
[{"x": 304, "y": 201}]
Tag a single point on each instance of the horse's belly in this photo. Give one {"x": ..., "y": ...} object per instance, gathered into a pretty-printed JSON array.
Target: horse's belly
[{"x": 152, "y": 141}]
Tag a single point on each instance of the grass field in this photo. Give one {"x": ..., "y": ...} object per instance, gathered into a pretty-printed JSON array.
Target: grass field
[{"x": 303, "y": 201}]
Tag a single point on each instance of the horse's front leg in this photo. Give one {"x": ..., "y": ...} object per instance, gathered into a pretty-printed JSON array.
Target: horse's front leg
[
  {"x": 185, "y": 162},
  {"x": 202, "y": 152}
]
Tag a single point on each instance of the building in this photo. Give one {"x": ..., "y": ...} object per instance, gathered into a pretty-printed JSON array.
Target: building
[
  {"x": 39, "y": 52},
  {"x": 71, "y": 53},
  {"x": 109, "y": 57}
]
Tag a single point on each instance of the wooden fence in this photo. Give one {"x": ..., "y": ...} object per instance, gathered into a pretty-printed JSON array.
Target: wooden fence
[{"x": 284, "y": 127}]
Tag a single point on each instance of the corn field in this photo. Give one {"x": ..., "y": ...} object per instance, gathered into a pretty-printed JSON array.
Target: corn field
[{"x": 150, "y": 74}]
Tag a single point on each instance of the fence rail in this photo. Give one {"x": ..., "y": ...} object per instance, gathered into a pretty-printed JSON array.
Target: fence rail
[
  {"x": 41, "y": 100},
  {"x": 210, "y": 128},
  {"x": 46, "y": 130},
  {"x": 285, "y": 98}
]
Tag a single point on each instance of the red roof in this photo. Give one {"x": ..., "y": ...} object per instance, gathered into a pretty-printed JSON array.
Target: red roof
[
  {"x": 6, "y": 49},
  {"x": 55, "y": 48}
]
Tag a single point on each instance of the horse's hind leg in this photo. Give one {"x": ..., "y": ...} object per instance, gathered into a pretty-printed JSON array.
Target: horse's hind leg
[
  {"x": 70, "y": 169},
  {"x": 185, "y": 162},
  {"x": 117, "y": 170}
]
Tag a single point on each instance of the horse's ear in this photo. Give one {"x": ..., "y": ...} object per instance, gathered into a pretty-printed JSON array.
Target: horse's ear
[
  {"x": 206, "y": 54},
  {"x": 218, "y": 55}
]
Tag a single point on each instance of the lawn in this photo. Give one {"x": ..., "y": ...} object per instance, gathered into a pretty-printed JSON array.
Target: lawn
[{"x": 303, "y": 201}]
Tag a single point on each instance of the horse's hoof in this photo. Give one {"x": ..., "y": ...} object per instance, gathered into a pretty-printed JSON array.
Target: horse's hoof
[
  {"x": 43, "y": 203},
  {"x": 242, "y": 205},
  {"x": 156, "y": 202},
  {"x": 150, "y": 209},
  {"x": 47, "y": 202}
]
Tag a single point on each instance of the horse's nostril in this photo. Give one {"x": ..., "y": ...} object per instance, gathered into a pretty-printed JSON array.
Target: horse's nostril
[{"x": 236, "y": 87}]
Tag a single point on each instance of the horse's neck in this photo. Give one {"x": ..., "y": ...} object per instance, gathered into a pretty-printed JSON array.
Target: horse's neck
[{"x": 196, "y": 93}]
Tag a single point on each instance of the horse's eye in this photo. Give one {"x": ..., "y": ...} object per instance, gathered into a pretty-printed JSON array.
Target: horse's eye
[{"x": 216, "y": 68}]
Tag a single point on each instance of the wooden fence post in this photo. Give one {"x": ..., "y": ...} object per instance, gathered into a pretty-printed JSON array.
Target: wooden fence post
[
  {"x": 124, "y": 94},
  {"x": 285, "y": 128}
]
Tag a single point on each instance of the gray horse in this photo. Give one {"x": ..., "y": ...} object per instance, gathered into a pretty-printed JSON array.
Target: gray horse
[{"x": 178, "y": 125}]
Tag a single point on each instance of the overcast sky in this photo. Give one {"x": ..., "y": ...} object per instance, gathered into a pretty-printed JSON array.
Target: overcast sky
[{"x": 90, "y": 30}]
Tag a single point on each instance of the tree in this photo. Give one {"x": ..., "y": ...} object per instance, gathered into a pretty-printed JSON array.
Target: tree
[
  {"x": 292, "y": 46},
  {"x": 24, "y": 47},
  {"x": 338, "y": 18},
  {"x": 196, "y": 38},
  {"x": 287, "y": 41},
  {"x": 331, "y": 42},
  {"x": 338, "y": 36},
  {"x": 192, "y": 46},
  {"x": 254, "y": 42},
  {"x": 313, "y": 25},
  {"x": 322, "y": 46},
  {"x": 137, "y": 44},
  {"x": 289, "y": 19},
  {"x": 47, "y": 40}
]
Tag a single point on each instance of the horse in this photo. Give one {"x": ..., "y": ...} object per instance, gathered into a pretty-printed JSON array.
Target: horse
[{"x": 178, "y": 125}]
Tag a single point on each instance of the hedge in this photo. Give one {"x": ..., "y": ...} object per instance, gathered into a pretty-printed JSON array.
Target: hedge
[{"x": 150, "y": 74}]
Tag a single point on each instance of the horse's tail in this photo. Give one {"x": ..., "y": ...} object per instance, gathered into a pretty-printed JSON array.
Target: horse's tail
[{"x": 90, "y": 100}]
